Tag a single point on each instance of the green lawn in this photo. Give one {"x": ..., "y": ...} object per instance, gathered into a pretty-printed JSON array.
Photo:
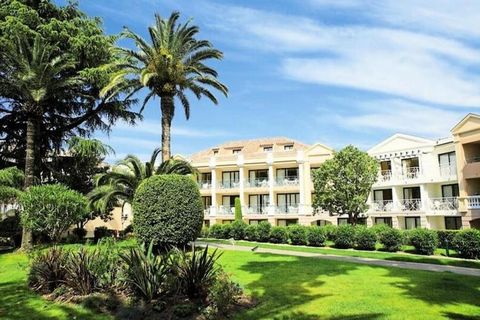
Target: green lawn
[{"x": 358, "y": 253}]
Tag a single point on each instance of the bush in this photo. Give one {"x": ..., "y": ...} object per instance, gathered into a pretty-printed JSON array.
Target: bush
[
  {"x": 316, "y": 236},
  {"x": 251, "y": 232},
  {"x": 297, "y": 234},
  {"x": 263, "y": 231},
  {"x": 278, "y": 235},
  {"x": 223, "y": 294},
  {"x": 330, "y": 231},
  {"x": 47, "y": 270},
  {"x": 167, "y": 209},
  {"x": 365, "y": 238},
  {"x": 216, "y": 231},
  {"x": 238, "y": 210},
  {"x": 467, "y": 243},
  {"x": 226, "y": 231},
  {"x": 345, "y": 236},
  {"x": 425, "y": 241},
  {"x": 205, "y": 233},
  {"x": 10, "y": 228},
  {"x": 379, "y": 229},
  {"x": 238, "y": 230},
  {"x": 79, "y": 275},
  {"x": 391, "y": 239},
  {"x": 445, "y": 236},
  {"x": 80, "y": 233},
  {"x": 52, "y": 209},
  {"x": 102, "y": 232},
  {"x": 107, "y": 264}
]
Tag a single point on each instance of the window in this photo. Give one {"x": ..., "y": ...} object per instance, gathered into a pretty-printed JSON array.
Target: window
[
  {"x": 229, "y": 201},
  {"x": 385, "y": 165},
  {"x": 206, "y": 177},
  {"x": 287, "y": 173},
  {"x": 341, "y": 221},
  {"x": 384, "y": 220},
  {"x": 227, "y": 221},
  {"x": 453, "y": 223},
  {"x": 206, "y": 223},
  {"x": 215, "y": 152},
  {"x": 288, "y": 147},
  {"x": 450, "y": 190},
  {"x": 321, "y": 223},
  {"x": 236, "y": 151},
  {"x": 261, "y": 174},
  {"x": 230, "y": 179},
  {"x": 383, "y": 195},
  {"x": 286, "y": 222},
  {"x": 288, "y": 202},
  {"x": 411, "y": 199},
  {"x": 362, "y": 221},
  {"x": 268, "y": 149},
  {"x": 447, "y": 159},
  {"x": 254, "y": 221},
  {"x": 206, "y": 201},
  {"x": 412, "y": 222},
  {"x": 259, "y": 202}
]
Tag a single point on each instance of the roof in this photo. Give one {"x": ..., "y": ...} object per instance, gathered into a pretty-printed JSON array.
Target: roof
[{"x": 470, "y": 116}]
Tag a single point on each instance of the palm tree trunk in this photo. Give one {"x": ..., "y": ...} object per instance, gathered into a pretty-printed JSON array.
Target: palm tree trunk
[
  {"x": 29, "y": 173},
  {"x": 167, "y": 107}
]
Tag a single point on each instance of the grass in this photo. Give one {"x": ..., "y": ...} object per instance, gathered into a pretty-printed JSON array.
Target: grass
[
  {"x": 306, "y": 288},
  {"x": 407, "y": 257}
]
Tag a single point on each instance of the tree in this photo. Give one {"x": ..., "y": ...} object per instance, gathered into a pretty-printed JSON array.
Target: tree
[
  {"x": 169, "y": 66},
  {"x": 11, "y": 182},
  {"x": 342, "y": 184},
  {"x": 238, "y": 209},
  {"x": 117, "y": 186}
]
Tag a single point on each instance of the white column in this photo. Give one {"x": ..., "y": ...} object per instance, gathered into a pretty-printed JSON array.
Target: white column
[
  {"x": 242, "y": 184},
  {"x": 424, "y": 197},
  {"x": 301, "y": 181},
  {"x": 271, "y": 184},
  {"x": 395, "y": 199},
  {"x": 213, "y": 190}
]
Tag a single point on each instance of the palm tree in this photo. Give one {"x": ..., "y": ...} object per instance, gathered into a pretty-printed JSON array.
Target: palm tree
[
  {"x": 169, "y": 66},
  {"x": 119, "y": 184},
  {"x": 34, "y": 75}
]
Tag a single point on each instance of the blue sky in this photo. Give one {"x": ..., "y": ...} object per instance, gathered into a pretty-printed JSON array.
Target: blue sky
[{"x": 332, "y": 71}]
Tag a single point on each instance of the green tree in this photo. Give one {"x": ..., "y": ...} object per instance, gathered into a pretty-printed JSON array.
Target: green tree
[
  {"x": 117, "y": 186},
  {"x": 342, "y": 184},
  {"x": 11, "y": 182},
  {"x": 238, "y": 209},
  {"x": 169, "y": 66}
]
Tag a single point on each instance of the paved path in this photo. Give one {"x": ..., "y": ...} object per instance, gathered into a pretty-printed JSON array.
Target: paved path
[{"x": 377, "y": 262}]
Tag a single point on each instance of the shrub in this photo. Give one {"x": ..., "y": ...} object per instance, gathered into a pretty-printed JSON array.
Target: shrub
[
  {"x": 467, "y": 243},
  {"x": 391, "y": 239},
  {"x": 79, "y": 275},
  {"x": 297, "y": 234},
  {"x": 80, "y": 233},
  {"x": 216, "y": 231},
  {"x": 425, "y": 241},
  {"x": 316, "y": 236},
  {"x": 107, "y": 264},
  {"x": 47, "y": 270},
  {"x": 251, "y": 232},
  {"x": 226, "y": 231},
  {"x": 330, "y": 231},
  {"x": 146, "y": 273},
  {"x": 379, "y": 229},
  {"x": 12, "y": 177},
  {"x": 195, "y": 271},
  {"x": 167, "y": 210},
  {"x": 238, "y": 230},
  {"x": 102, "y": 232},
  {"x": 10, "y": 228},
  {"x": 365, "y": 238},
  {"x": 345, "y": 236},
  {"x": 278, "y": 235},
  {"x": 205, "y": 233},
  {"x": 263, "y": 231},
  {"x": 52, "y": 209},
  {"x": 223, "y": 294},
  {"x": 238, "y": 209},
  {"x": 445, "y": 236}
]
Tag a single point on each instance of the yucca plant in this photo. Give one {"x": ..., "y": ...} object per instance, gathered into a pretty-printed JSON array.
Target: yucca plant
[
  {"x": 147, "y": 273},
  {"x": 80, "y": 276},
  {"x": 48, "y": 270},
  {"x": 196, "y": 272}
]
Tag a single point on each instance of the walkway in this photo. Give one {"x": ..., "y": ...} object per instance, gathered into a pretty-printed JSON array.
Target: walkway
[{"x": 377, "y": 262}]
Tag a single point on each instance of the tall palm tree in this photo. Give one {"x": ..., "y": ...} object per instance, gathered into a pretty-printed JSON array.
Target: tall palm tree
[
  {"x": 34, "y": 75},
  {"x": 117, "y": 187},
  {"x": 172, "y": 64}
]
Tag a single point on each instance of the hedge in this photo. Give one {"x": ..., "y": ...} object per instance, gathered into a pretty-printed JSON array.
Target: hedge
[
  {"x": 238, "y": 230},
  {"x": 316, "y": 236},
  {"x": 345, "y": 236},
  {"x": 251, "y": 232},
  {"x": 467, "y": 243},
  {"x": 425, "y": 241},
  {"x": 391, "y": 239},
  {"x": 297, "y": 234},
  {"x": 167, "y": 209},
  {"x": 263, "y": 231},
  {"x": 444, "y": 236},
  {"x": 278, "y": 235},
  {"x": 365, "y": 238}
]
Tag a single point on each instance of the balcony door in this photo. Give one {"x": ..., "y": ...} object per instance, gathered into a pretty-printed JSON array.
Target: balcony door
[
  {"x": 259, "y": 202},
  {"x": 446, "y": 160},
  {"x": 206, "y": 201},
  {"x": 230, "y": 178},
  {"x": 287, "y": 173},
  {"x": 411, "y": 167},
  {"x": 411, "y": 198},
  {"x": 450, "y": 191},
  {"x": 228, "y": 201},
  {"x": 288, "y": 201},
  {"x": 258, "y": 174},
  {"x": 206, "y": 177},
  {"x": 383, "y": 195}
]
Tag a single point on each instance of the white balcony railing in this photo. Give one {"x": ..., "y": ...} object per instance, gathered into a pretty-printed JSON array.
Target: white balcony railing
[
  {"x": 256, "y": 209},
  {"x": 473, "y": 202},
  {"x": 382, "y": 205},
  {"x": 443, "y": 204},
  {"x": 256, "y": 183},
  {"x": 448, "y": 171},
  {"x": 411, "y": 205},
  {"x": 385, "y": 175},
  {"x": 287, "y": 181},
  {"x": 228, "y": 184},
  {"x": 205, "y": 184},
  {"x": 287, "y": 209},
  {"x": 226, "y": 210},
  {"x": 411, "y": 173}
]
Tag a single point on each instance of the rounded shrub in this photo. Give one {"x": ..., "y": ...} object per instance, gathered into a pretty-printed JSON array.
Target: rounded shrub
[
  {"x": 226, "y": 231},
  {"x": 446, "y": 236},
  {"x": 238, "y": 230},
  {"x": 297, "y": 234},
  {"x": 330, "y": 231},
  {"x": 278, "y": 235},
  {"x": 251, "y": 232},
  {"x": 379, "y": 229},
  {"x": 263, "y": 231},
  {"x": 467, "y": 243},
  {"x": 216, "y": 231},
  {"x": 425, "y": 241},
  {"x": 316, "y": 236},
  {"x": 205, "y": 233},
  {"x": 345, "y": 236},
  {"x": 167, "y": 209},
  {"x": 391, "y": 239},
  {"x": 365, "y": 238}
]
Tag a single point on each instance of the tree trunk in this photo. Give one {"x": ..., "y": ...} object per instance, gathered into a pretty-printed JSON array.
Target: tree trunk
[
  {"x": 167, "y": 108},
  {"x": 29, "y": 173}
]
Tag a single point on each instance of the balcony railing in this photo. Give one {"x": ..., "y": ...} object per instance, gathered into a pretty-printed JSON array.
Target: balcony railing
[
  {"x": 382, "y": 205},
  {"x": 411, "y": 205},
  {"x": 444, "y": 204},
  {"x": 205, "y": 184},
  {"x": 228, "y": 184},
  {"x": 287, "y": 209},
  {"x": 256, "y": 209},
  {"x": 473, "y": 202},
  {"x": 411, "y": 173},
  {"x": 385, "y": 175},
  {"x": 256, "y": 183},
  {"x": 287, "y": 181},
  {"x": 448, "y": 171},
  {"x": 226, "y": 210}
]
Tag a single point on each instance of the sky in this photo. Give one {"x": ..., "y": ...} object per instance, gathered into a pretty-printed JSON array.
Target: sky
[{"x": 337, "y": 72}]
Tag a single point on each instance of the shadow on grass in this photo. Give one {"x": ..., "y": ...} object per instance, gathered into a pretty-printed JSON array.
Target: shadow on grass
[{"x": 303, "y": 316}]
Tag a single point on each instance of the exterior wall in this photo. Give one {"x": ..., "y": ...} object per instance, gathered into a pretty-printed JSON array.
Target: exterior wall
[{"x": 120, "y": 220}]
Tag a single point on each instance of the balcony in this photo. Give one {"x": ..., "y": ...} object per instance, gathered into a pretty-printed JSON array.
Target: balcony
[
  {"x": 287, "y": 209},
  {"x": 407, "y": 205},
  {"x": 443, "y": 204},
  {"x": 448, "y": 171},
  {"x": 473, "y": 202},
  {"x": 256, "y": 209},
  {"x": 226, "y": 210},
  {"x": 205, "y": 185},
  {"x": 256, "y": 183},
  {"x": 385, "y": 176},
  {"x": 382, "y": 206},
  {"x": 228, "y": 184},
  {"x": 411, "y": 173},
  {"x": 287, "y": 181}
]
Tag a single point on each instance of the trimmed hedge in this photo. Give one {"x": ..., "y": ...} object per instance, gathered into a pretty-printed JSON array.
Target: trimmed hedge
[
  {"x": 251, "y": 232},
  {"x": 330, "y": 231},
  {"x": 263, "y": 231},
  {"x": 216, "y": 231},
  {"x": 444, "y": 236},
  {"x": 365, "y": 238},
  {"x": 391, "y": 239},
  {"x": 316, "y": 236},
  {"x": 425, "y": 241},
  {"x": 238, "y": 230},
  {"x": 297, "y": 234},
  {"x": 467, "y": 243},
  {"x": 278, "y": 235},
  {"x": 345, "y": 236},
  {"x": 167, "y": 209}
]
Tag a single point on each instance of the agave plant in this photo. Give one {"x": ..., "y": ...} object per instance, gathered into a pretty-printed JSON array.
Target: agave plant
[
  {"x": 47, "y": 270},
  {"x": 80, "y": 276}
]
